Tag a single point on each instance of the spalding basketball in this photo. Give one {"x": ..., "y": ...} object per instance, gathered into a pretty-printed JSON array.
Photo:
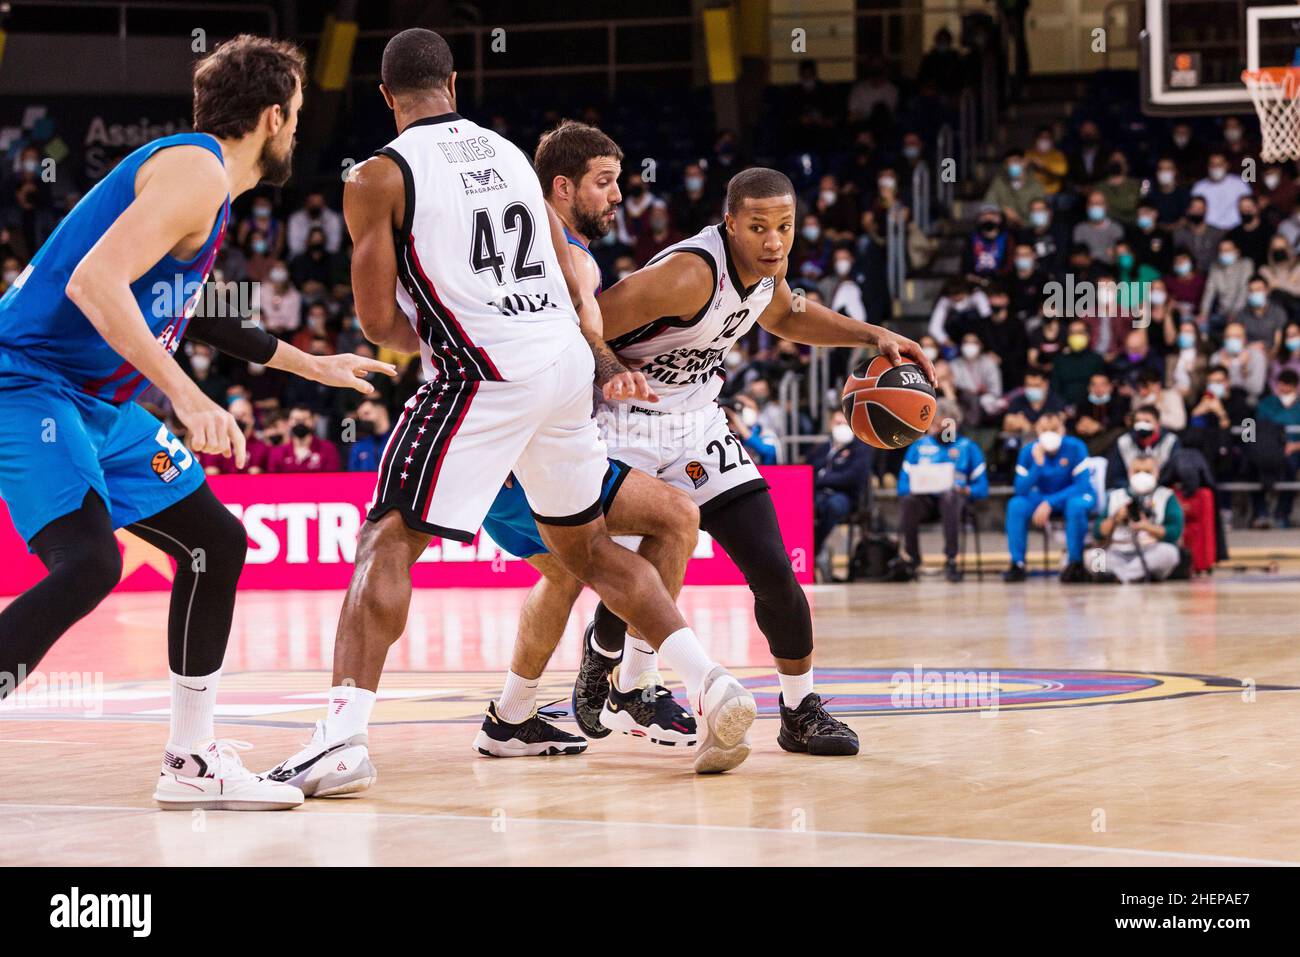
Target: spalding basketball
[{"x": 888, "y": 406}]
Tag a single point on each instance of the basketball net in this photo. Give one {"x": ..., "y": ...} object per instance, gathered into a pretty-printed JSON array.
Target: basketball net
[{"x": 1276, "y": 93}]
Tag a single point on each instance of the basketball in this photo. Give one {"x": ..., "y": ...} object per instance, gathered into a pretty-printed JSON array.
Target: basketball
[{"x": 888, "y": 406}]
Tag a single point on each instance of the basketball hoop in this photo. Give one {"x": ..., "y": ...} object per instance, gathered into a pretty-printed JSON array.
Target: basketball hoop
[{"x": 1276, "y": 92}]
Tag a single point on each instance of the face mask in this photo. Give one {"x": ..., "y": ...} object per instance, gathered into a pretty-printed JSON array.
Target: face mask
[
  {"x": 694, "y": 183},
  {"x": 932, "y": 353},
  {"x": 255, "y": 368},
  {"x": 636, "y": 192},
  {"x": 1286, "y": 400},
  {"x": 1166, "y": 177},
  {"x": 279, "y": 275},
  {"x": 1077, "y": 341},
  {"x": 301, "y": 430},
  {"x": 1227, "y": 259},
  {"x": 989, "y": 229},
  {"x": 1257, "y": 299},
  {"x": 749, "y": 416},
  {"x": 1023, "y": 264},
  {"x": 259, "y": 246},
  {"x": 888, "y": 183},
  {"x": 1145, "y": 433},
  {"x": 841, "y": 434},
  {"x": 1182, "y": 268},
  {"x": 1159, "y": 297},
  {"x": 1181, "y": 140},
  {"x": 1098, "y": 399},
  {"x": 1217, "y": 173},
  {"x": 828, "y": 196},
  {"x": 200, "y": 363},
  {"x": 1039, "y": 217},
  {"x": 1217, "y": 389},
  {"x": 1293, "y": 344},
  {"x": 1232, "y": 135},
  {"x": 1196, "y": 218},
  {"x": 1145, "y": 222},
  {"x": 30, "y": 167},
  {"x": 1125, "y": 260},
  {"x": 1142, "y": 483},
  {"x": 733, "y": 360},
  {"x": 1234, "y": 345},
  {"x": 1050, "y": 441},
  {"x": 1271, "y": 180},
  {"x": 1096, "y": 213},
  {"x": 843, "y": 267},
  {"x": 1044, "y": 146},
  {"x": 9, "y": 276},
  {"x": 912, "y": 152},
  {"x": 1186, "y": 340},
  {"x": 1034, "y": 394},
  {"x": 262, "y": 212},
  {"x": 971, "y": 350},
  {"x": 811, "y": 233},
  {"x": 1014, "y": 170}
]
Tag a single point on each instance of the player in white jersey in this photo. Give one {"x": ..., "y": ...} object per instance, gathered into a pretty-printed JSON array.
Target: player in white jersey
[
  {"x": 579, "y": 166},
  {"x": 456, "y": 252},
  {"x": 675, "y": 320}
]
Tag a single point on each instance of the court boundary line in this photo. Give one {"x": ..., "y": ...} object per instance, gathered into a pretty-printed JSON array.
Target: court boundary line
[{"x": 722, "y": 828}]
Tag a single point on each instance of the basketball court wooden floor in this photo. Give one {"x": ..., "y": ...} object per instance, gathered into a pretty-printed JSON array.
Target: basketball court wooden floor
[{"x": 1029, "y": 724}]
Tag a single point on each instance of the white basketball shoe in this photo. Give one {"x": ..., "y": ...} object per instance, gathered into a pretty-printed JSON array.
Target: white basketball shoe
[
  {"x": 321, "y": 769},
  {"x": 215, "y": 779},
  {"x": 726, "y": 710}
]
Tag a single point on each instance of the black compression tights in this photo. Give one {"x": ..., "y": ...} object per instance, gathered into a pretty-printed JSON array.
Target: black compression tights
[
  {"x": 747, "y": 529},
  {"x": 82, "y": 557}
]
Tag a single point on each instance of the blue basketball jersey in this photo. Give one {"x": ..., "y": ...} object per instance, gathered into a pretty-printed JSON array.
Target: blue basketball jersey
[
  {"x": 42, "y": 333},
  {"x": 575, "y": 241}
]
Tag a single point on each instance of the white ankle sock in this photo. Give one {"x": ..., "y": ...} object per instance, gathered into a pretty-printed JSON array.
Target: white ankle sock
[
  {"x": 686, "y": 656},
  {"x": 194, "y": 698},
  {"x": 794, "y": 688},
  {"x": 518, "y": 698},
  {"x": 348, "y": 712},
  {"x": 638, "y": 658}
]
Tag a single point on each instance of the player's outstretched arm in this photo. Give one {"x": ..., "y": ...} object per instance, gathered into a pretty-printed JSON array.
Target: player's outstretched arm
[
  {"x": 178, "y": 193},
  {"x": 374, "y": 201},
  {"x": 615, "y": 380},
  {"x": 811, "y": 323}
]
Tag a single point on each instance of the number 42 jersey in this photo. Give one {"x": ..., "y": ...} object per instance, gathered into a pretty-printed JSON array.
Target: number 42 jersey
[{"x": 477, "y": 272}]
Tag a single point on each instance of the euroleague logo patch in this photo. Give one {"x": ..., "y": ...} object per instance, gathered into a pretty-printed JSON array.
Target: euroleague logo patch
[
  {"x": 696, "y": 473},
  {"x": 164, "y": 467}
]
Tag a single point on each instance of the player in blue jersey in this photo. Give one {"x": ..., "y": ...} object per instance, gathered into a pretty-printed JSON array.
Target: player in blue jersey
[{"x": 91, "y": 322}]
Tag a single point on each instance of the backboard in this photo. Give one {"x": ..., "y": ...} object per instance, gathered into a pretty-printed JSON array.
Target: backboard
[{"x": 1193, "y": 52}]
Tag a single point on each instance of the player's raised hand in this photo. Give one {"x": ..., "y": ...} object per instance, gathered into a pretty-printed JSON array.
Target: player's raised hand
[
  {"x": 212, "y": 429},
  {"x": 900, "y": 349},
  {"x": 629, "y": 385},
  {"x": 349, "y": 371}
]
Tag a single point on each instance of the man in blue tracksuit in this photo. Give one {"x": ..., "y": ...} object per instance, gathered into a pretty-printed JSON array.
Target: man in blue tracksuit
[{"x": 1052, "y": 478}]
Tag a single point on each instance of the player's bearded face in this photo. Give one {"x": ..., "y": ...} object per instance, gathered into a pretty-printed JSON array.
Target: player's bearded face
[
  {"x": 593, "y": 221},
  {"x": 276, "y": 161}
]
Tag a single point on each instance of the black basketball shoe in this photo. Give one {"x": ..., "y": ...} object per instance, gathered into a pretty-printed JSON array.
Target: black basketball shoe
[
  {"x": 592, "y": 686},
  {"x": 810, "y": 728},
  {"x": 535, "y": 735},
  {"x": 648, "y": 711}
]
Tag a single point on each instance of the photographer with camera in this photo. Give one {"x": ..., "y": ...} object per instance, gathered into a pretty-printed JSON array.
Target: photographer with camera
[{"x": 1142, "y": 527}]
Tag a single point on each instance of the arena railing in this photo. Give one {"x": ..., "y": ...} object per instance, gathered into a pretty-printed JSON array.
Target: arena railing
[
  {"x": 604, "y": 64},
  {"x": 173, "y": 8}
]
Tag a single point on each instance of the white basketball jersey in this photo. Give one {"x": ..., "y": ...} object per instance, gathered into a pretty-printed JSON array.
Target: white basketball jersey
[
  {"x": 682, "y": 356},
  {"x": 477, "y": 273}
]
